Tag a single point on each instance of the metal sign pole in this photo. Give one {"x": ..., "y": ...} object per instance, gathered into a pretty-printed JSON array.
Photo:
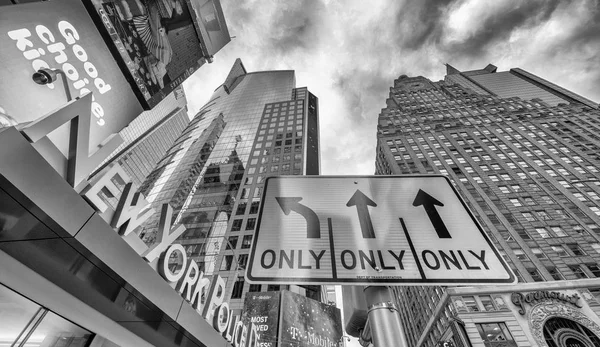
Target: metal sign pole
[{"x": 384, "y": 319}]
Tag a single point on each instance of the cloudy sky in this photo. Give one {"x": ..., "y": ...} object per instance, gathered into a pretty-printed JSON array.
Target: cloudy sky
[{"x": 348, "y": 54}]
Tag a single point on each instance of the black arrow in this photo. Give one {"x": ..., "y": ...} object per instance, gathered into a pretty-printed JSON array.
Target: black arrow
[
  {"x": 361, "y": 201},
  {"x": 313, "y": 226},
  {"x": 429, "y": 203}
]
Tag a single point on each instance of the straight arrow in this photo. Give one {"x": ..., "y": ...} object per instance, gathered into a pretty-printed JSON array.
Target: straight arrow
[
  {"x": 313, "y": 226},
  {"x": 361, "y": 201},
  {"x": 429, "y": 203}
]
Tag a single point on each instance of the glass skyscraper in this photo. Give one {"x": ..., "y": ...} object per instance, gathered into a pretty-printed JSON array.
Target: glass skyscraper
[
  {"x": 255, "y": 125},
  {"x": 524, "y": 154},
  {"x": 148, "y": 137}
]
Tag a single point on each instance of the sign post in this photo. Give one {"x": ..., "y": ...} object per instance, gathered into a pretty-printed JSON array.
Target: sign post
[{"x": 384, "y": 319}]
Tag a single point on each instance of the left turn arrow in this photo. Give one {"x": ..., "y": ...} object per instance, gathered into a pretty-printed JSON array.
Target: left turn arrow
[{"x": 313, "y": 226}]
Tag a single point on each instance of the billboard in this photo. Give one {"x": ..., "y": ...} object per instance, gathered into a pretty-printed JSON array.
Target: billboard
[
  {"x": 262, "y": 309},
  {"x": 286, "y": 319},
  {"x": 160, "y": 43},
  {"x": 60, "y": 34}
]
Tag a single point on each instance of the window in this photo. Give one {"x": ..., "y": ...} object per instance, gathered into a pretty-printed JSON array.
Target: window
[
  {"x": 493, "y": 332},
  {"x": 543, "y": 215},
  {"x": 251, "y": 224},
  {"x": 543, "y": 232},
  {"x": 535, "y": 275},
  {"x": 520, "y": 254},
  {"x": 578, "y": 272},
  {"x": 246, "y": 241},
  {"x": 594, "y": 269},
  {"x": 237, "y": 225},
  {"x": 487, "y": 302},
  {"x": 556, "y": 274},
  {"x": 596, "y": 247},
  {"x": 273, "y": 287},
  {"x": 254, "y": 207},
  {"x": 232, "y": 242},
  {"x": 559, "y": 231},
  {"x": 238, "y": 288},
  {"x": 243, "y": 260},
  {"x": 539, "y": 253},
  {"x": 575, "y": 249},
  {"x": 528, "y": 216},
  {"x": 226, "y": 263},
  {"x": 560, "y": 251},
  {"x": 254, "y": 288},
  {"x": 515, "y": 202},
  {"x": 471, "y": 303}
]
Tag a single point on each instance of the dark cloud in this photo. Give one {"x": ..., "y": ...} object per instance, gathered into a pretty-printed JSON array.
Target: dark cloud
[
  {"x": 362, "y": 92},
  {"x": 296, "y": 26},
  {"x": 419, "y": 22},
  {"x": 499, "y": 26}
]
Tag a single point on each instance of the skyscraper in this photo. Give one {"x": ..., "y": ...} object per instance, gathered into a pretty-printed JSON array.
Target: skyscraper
[
  {"x": 148, "y": 137},
  {"x": 255, "y": 125},
  {"x": 523, "y": 153}
]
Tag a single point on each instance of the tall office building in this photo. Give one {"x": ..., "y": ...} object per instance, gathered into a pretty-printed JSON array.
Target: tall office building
[
  {"x": 255, "y": 125},
  {"x": 524, "y": 154},
  {"x": 148, "y": 137}
]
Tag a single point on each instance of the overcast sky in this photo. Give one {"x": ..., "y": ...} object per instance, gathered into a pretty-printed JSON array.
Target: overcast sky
[{"x": 348, "y": 54}]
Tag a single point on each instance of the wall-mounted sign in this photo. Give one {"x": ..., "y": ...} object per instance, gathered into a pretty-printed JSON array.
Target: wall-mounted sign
[
  {"x": 519, "y": 299},
  {"x": 161, "y": 43},
  {"x": 370, "y": 229},
  {"x": 60, "y": 34}
]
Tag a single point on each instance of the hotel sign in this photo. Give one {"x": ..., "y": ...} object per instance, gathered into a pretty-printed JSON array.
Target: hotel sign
[{"x": 519, "y": 299}]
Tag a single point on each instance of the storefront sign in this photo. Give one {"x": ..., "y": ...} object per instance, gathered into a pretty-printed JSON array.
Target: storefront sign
[
  {"x": 519, "y": 299},
  {"x": 60, "y": 34}
]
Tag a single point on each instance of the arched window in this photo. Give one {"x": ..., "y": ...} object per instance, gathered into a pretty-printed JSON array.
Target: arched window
[{"x": 561, "y": 332}]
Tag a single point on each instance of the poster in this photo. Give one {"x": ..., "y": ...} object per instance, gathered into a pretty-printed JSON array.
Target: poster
[
  {"x": 161, "y": 42},
  {"x": 60, "y": 34}
]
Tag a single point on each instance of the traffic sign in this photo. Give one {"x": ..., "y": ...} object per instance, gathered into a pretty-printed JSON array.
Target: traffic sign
[{"x": 370, "y": 229}]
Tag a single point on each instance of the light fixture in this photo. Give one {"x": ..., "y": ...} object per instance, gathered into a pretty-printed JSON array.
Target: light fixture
[
  {"x": 44, "y": 76},
  {"x": 47, "y": 76}
]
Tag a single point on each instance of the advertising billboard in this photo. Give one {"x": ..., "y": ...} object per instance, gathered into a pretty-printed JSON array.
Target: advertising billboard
[
  {"x": 60, "y": 34},
  {"x": 262, "y": 309},
  {"x": 309, "y": 323},
  {"x": 286, "y": 319},
  {"x": 160, "y": 43}
]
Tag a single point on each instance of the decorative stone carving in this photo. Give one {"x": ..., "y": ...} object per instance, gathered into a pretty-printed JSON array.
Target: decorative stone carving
[
  {"x": 500, "y": 303},
  {"x": 589, "y": 297},
  {"x": 543, "y": 311},
  {"x": 459, "y": 304}
]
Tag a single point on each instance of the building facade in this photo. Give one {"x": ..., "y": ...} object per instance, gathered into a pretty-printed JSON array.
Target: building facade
[
  {"x": 523, "y": 153},
  {"x": 255, "y": 125}
]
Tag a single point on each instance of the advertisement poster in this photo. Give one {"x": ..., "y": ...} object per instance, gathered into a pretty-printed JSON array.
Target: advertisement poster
[
  {"x": 262, "y": 309},
  {"x": 309, "y": 323},
  {"x": 302, "y": 322},
  {"x": 161, "y": 42},
  {"x": 60, "y": 34}
]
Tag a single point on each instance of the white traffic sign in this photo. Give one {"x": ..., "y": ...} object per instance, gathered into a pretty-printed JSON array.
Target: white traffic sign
[{"x": 370, "y": 229}]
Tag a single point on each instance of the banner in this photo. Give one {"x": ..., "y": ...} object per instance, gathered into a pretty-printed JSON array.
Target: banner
[
  {"x": 60, "y": 34},
  {"x": 161, "y": 42}
]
